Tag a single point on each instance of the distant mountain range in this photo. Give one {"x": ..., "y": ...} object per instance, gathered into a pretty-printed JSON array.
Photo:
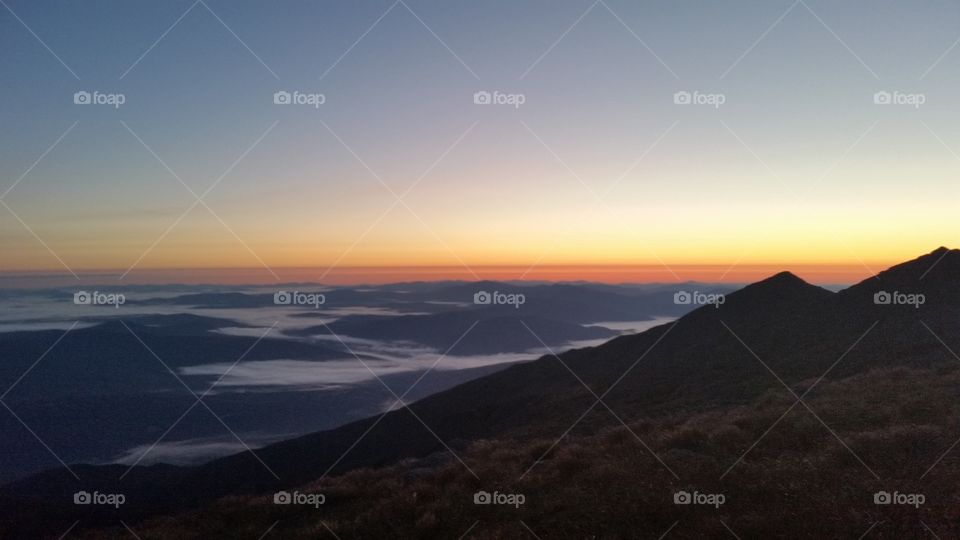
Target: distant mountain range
[
  {"x": 767, "y": 342},
  {"x": 106, "y": 387}
]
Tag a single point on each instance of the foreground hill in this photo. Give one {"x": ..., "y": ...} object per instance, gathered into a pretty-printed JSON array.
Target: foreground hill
[{"x": 680, "y": 404}]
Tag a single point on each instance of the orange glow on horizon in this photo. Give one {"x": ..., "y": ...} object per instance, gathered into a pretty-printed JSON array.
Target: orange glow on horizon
[{"x": 355, "y": 275}]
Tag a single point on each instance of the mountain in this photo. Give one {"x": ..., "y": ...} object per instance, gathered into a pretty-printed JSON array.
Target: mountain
[
  {"x": 462, "y": 332},
  {"x": 702, "y": 389},
  {"x": 114, "y": 378}
]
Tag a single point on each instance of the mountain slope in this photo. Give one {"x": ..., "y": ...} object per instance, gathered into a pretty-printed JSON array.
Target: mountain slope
[{"x": 780, "y": 331}]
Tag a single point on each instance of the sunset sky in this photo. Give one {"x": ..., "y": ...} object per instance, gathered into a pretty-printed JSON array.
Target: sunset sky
[{"x": 597, "y": 175}]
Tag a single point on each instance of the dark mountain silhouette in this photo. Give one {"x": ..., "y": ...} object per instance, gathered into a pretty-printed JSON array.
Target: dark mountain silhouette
[{"x": 715, "y": 360}]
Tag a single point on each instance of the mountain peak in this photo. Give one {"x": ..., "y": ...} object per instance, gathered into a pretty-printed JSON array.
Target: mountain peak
[
  {"x": 934, "y": 274},
  {"x": 783, "y": 288},
  {"x": 784, "y": 278},
  {"x": 938, "y": 264}
]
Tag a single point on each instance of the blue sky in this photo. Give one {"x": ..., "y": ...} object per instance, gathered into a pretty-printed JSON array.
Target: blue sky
[{"x": 798, "y": 155}]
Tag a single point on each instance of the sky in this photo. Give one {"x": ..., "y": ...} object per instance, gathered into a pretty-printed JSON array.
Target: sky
[{"x": 588, "y": 165}]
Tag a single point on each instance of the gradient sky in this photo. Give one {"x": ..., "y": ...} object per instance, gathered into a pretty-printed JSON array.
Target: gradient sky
[{"x": 798, "y": 168}]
